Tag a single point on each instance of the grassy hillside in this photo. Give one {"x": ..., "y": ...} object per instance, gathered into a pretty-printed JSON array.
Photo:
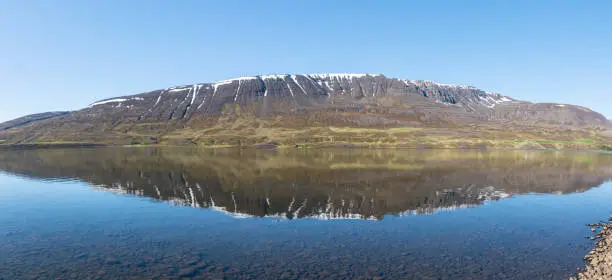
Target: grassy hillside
[{"x": 240, "y": 128}]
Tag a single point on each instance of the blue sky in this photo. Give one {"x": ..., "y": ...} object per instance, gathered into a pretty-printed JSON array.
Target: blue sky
[{"x": 65, "y": 54}]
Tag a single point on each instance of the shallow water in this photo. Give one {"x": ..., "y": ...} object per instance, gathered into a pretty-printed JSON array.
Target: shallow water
[{"x": 95, "y": 213}]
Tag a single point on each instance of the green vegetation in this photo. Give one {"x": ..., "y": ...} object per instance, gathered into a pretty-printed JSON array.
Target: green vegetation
[
  {"x": 57, "y": 143},
  {"x": 541, "y": 141},
  {"x": 289, "y": 132},
  {"x": 243, "y": 129},
  {"x": 405, "y": 137},
  {"x": 359, "y": 130}
]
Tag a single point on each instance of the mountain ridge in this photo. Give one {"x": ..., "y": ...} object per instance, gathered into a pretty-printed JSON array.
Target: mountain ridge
[
  {"x": 21, "y": 121},
  {"x": 326, "y": 82},
  {"x": 296, "y": 102}
]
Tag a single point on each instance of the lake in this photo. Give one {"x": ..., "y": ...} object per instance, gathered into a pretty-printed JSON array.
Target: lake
[{"x": 169, "y": 213}]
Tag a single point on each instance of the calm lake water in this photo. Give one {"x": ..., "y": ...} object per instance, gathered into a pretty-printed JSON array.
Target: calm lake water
[{"x": 167, "y": 213}]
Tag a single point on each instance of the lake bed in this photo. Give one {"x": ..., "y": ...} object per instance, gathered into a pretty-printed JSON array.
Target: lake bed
[{"x": 439, "y": 214}]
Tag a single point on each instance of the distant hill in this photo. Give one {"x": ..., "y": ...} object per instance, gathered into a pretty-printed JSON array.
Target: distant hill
[
  {"x": 286, "y": 108},
  {"x": 29, "y": 119}
]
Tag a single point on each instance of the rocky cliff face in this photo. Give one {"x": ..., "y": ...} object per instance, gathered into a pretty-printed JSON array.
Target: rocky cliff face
[
  {"x": 348, "y": 99},
  {"x": 342, "y": 91}
]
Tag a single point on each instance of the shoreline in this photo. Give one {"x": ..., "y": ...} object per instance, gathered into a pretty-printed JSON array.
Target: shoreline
[
  {"x": 49, "y": 146},
  {"x": 286, "y": 147},
  {"x": 599, "y": 260}
]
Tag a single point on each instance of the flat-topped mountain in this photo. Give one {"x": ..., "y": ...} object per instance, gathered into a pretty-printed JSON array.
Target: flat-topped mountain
[
  {"x": 343, "y": 91},
  {"x": 234, "y": 111}
]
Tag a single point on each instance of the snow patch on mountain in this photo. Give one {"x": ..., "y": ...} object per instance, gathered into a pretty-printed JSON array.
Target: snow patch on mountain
[
  {"x": 344, "y": 76},
  {"x": 115, "y": 100},
  {"x": 274, "y": 77},
  {"x": 424, "y": 83},
  {"x": 491, "y": 100}
]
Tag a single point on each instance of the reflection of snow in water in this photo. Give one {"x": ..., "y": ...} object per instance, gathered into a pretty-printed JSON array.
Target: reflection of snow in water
[
  {"x": 481, "y": 196},
  {"x": 470, "y": 197}
]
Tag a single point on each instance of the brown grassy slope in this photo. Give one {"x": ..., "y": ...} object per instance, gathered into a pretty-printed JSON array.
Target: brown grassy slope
[
  {"x": 330, "y": 130},
  {"x": 373, "y": 127}
]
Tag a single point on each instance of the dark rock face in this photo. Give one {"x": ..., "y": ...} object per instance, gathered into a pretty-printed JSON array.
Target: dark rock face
[
  {"x": 339, "y": 98},
  {"x": 291, "y": 93}
]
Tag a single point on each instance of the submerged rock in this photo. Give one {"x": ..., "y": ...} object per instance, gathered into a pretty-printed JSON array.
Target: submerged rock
[{"x": 599, "y": 260}]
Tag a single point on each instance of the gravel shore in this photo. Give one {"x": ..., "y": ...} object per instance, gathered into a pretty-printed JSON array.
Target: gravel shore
[{"x": 599, "y": 260}]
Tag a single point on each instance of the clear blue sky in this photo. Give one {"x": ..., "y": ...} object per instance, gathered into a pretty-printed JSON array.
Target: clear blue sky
[{"x": 65, "y": 54}]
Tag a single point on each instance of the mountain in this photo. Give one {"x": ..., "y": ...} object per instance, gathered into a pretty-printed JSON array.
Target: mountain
[
  {"x": 29, "y": 119},
  {"x": 260, "y": 109}
]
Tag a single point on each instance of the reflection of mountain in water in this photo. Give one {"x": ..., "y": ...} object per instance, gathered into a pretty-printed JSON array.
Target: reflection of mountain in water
[{"x": 320, "y": 184}]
